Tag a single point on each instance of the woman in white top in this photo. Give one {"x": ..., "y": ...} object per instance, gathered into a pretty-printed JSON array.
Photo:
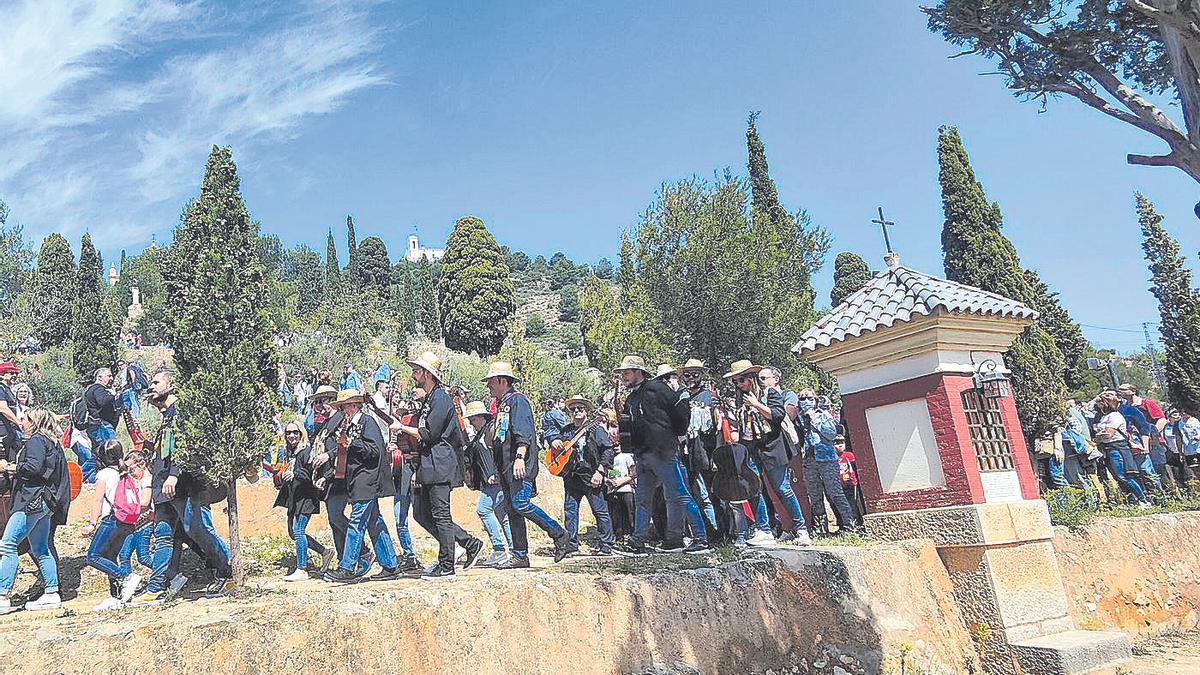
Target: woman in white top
[
  {"x": 108, "y": 534},
  {"x": 1112, "y": 436}
]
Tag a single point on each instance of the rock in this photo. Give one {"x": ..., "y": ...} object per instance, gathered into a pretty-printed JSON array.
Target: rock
[
  {"x": 846, "y": 659},
  {"x": 838, "y": 670},
  {"x": 821, "y": 662},
  {"x": 351, "y": 608},
  {"x": 49, "y": 635},
  {"x": 1141, "y": 600}
]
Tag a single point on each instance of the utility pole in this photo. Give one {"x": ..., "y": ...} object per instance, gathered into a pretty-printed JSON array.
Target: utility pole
[{"x": 1156, "y": 369}]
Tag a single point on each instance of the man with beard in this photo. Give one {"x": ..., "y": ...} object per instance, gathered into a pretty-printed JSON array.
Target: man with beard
[{"x": 584, "y": 475}]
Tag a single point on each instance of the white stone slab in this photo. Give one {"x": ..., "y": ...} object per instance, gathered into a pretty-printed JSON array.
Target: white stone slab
[
  {"x": 904, "y": 446},
  {"x": 1000, "y": 486}
]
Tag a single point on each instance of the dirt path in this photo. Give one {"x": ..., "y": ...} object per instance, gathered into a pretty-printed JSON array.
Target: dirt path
[{"x": 1167, "y": 655}]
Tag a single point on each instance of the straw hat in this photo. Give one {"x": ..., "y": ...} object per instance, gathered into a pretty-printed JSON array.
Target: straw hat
[
  {"x": 323, "y": 391},
  {"x": 348, "y": 397},
  {"x": 429, "y": 362},
  {"x": 500, "y": 369},
  {"x": 665, "y": 370},
  {"x": 693, "y": 364},
  {"x": 475, "y": 408},
  {"x": 578, "y": 398},
  {"x": 742, "y": 367},
  {"x": 8, "y": 367},
  {"x": 633, "y": 362}
]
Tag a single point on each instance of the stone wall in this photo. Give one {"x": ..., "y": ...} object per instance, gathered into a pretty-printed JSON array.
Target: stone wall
[
  {"x": 1141, "y": 575},
  {"x": 832, "y": 611}
]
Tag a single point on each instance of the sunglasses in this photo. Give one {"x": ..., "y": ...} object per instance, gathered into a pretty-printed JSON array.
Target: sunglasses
[
  {"x": 291, "y": 433},
  {"x": 740, "y": 379},
  {"x": 808, "y": 398},
  {"x": 577, "y": 408},
  {"x": 764, "y": 378}
]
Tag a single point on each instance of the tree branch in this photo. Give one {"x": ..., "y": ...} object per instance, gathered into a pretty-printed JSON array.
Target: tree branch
[{"x": 1154, "y": 160}]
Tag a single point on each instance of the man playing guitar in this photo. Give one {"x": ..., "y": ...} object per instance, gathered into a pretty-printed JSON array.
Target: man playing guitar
[{"x": 583, "y": 477}]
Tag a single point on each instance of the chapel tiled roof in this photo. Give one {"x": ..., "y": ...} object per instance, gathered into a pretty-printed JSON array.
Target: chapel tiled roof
[{"x": 898, "y": 294}]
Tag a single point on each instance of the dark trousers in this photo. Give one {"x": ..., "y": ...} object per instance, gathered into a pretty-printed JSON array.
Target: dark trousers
[
  {"x": 620, "y": 506},
  {"x": 170, "y": 532},
  {"x": 431, "y": 509},
  {"x": 339, "y": 522}
]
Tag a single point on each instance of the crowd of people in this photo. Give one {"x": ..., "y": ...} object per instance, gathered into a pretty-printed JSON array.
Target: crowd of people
[
  {"x": 677, "y": 460},
  {"x": 1122, "y": 447},
  {"x": 663, "y": 462}
]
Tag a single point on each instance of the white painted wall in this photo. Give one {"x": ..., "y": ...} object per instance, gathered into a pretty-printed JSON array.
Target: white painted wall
[{"x": 905, "y": 448}]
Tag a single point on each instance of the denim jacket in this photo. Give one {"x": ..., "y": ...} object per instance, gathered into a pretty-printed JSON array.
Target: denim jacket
[{"x": 819, "y": 434}]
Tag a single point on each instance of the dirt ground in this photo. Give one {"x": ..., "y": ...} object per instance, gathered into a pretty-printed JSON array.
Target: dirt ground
[{"x": 1167, "y": 655}]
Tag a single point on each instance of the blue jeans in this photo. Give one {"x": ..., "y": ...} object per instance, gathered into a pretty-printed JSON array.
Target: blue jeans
[
  {"x": 303, "y": 541},
  {"x": 105, "y": 530},
  {"x": 1145, "y": 464},
  {"x": 654, "y": 471},
  {"x": 822, "y": 480},
  {"x": 523, "y": 509},
  {"x": 365, "y": 519},
  {"x": 703, "y": 500},
  {"x": 1116, "y": 466},
  {"x": 206, "y": 523},
  {"x": 86, "y": 455},
  {"x": 492, "y": 508},
  {"x": 1058, "y": 475},
  {"x": 129, "y": 401},
  {"x": 35, "y": 527},
  {"x": 400, "y": 509},
  {"x": 599, "y": 510},
  {"x": 138, "y": 542}
]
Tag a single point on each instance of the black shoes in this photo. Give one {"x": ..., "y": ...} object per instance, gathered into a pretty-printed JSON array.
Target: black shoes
[
  {"x": 672, "y": 547},
  {"x": 411, "y": 564},
  {"x": 474, "y": 548},
  {"x": 388, "y": 574},
  {"x": 438, "y": 572},
  {"x": 697, "y": 547},
  {"x": 562, "y": 546},
  {"x": 631, "y": 549},
  {"x": 340, "y": 576}
]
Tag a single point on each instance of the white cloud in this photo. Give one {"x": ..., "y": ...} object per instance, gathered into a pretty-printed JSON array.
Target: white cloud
[{"x": 108, "y": 108}]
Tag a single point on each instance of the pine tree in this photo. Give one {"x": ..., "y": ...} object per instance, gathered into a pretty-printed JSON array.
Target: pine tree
[
  {"x": 1178, "y": 307},
  {"x": 352, "y": 251},
  {"x": 53, "y": 285},
  {"x": 977, "y": 254},
  {"x": 93, "y": 337},
  {"x": 222, "y": 335},
  {"x": 333, "y": 270},
  {"x": 475, "y": 292},
  {"x": 850, "y": 273}
]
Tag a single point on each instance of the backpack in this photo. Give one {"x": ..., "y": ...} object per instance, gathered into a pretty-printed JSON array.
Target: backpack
[
  {"x": 81, "y": 417},
  {"x": 140, "y": 381},
  {"x": 127, "y": 502}
]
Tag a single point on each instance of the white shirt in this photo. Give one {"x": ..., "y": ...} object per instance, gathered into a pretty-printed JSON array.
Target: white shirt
[
  {"x": 621, "y": 465},
  {"x": 1113, "y": 420},
  {"x": 108, "y": 477}
]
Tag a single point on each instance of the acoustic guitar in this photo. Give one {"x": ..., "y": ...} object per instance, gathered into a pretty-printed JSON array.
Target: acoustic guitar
[{"x": 558, "y": 460}]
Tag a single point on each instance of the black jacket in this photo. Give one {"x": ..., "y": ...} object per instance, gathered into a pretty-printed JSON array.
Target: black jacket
[
  {"x": 299, "y": 495},
  {"x": 512, "y": 428},
  {"x": 735, "y": 480},
  {"x": 594, "y": 452},
  {"x": 658, "y": 415},
  {"x": 441, "y": 441},
  {"x": 41, "y": 473},
  {"x": 771, "y": 446},
  {"x": 101, "y": 405},
  {"x": 368, "y": 462},
  {"x": 481, "y": 460}
]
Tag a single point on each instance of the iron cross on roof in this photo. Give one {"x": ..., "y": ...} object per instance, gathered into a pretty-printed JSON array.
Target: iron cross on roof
[{"x": 883, "y": 223}]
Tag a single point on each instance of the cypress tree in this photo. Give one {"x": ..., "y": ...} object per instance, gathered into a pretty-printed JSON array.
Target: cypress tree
[
  {"x": 1067, "y": 334},
  {"x": 977, "y": 254},
  {"x": 54, "y": 285},
  {"x": 218, "y": 290},
  {"x": 1178, "y": 307},
  {"x": 303, "y": 271},
  {"x": 374, "y": 266},
  {"x": 425, "y": 300},
  {"x": 333, "y": 270},
  {"x": 850, "y": 273},
  {"x": 93, "y": 337},
  {"x": 764, "y": 197},
  {"x": 352, "y": 251},
  {"x": 475, "y": 291}
]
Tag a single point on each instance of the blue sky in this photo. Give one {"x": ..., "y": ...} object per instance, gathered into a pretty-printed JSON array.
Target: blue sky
[{"x": 556, "y": 123}]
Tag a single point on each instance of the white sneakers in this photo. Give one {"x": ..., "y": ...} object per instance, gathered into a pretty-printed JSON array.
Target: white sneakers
[
  {"x": 760, "y": 538},
  {"x": 109, "y": 604},
  {"x": 129, "y": 587},
  {"x": 298, "y": 575},
  {"x": 801, "y": 539},
  {"x": 47, "y": 601},
  {"x": 6, "y": 606}
]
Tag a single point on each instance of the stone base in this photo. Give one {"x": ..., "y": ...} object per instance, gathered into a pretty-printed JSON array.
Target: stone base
[{"x": 1075, "y": 651}]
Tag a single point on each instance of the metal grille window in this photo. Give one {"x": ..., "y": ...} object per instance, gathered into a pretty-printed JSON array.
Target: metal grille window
[{"x": 988, "y": 435}]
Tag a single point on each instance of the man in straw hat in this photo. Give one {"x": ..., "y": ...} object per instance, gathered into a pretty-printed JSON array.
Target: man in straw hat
[
  {"x": 439, "y": 469},
  {"x": 584, "y": 476},
  {"x": 492, "y": 506},
  {"x": 657, "y": 417},
  {"x": 512, "y": 437},
  {"x": 368, "y": 477},
  {"x": 335, "y": 491},
  {"x": 700, "y": 443},
  {"x": 761, "y": 413}
]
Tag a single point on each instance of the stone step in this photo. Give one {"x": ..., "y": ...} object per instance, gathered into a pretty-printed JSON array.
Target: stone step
[{"x": 1072, "y": 652}]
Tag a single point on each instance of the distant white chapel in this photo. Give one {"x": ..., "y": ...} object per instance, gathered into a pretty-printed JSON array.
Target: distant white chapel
[{"x": 416, "y": 251}]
